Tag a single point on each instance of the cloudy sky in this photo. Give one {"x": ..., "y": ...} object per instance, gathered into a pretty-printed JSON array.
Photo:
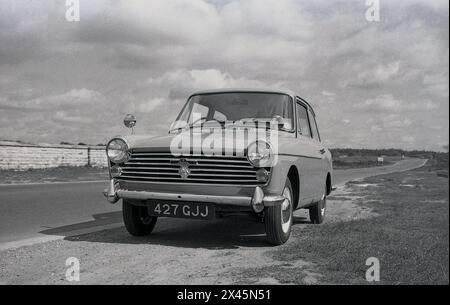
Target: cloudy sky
[{"x": 372, "y": 84}]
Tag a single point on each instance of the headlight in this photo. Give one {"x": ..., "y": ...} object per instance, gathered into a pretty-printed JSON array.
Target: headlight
[
  {"x": 117, "y": 151},
  {"x": 260, "y": 154}
]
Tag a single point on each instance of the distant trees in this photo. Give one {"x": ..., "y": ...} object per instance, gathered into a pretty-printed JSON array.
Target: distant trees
[{"x": 391, "y": 152}]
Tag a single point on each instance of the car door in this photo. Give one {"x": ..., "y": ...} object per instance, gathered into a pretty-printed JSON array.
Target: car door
[
  {"x": 319, "y": 186},
  {"x": 310, "y": 157}
]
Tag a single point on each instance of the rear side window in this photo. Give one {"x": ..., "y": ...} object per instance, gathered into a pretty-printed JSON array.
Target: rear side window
[
  {"x": 315, "y": 130},
  {"x": 302, "y": 121}
]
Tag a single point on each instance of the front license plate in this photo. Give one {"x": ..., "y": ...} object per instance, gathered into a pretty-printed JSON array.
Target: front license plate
[{"x": 181, "y": 209}]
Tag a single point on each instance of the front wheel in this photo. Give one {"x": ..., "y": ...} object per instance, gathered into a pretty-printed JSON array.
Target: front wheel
[
  {"x": 137, "y": 220},
  {"x": 278, "y": 219}
]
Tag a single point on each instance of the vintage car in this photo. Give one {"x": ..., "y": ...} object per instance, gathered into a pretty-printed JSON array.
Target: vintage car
[{"x": 229, "y": 151}]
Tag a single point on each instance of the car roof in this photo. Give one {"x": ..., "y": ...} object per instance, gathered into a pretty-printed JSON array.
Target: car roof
[
  {"x": 254, "y": 90},
  {"x": 230, "y": 90}
]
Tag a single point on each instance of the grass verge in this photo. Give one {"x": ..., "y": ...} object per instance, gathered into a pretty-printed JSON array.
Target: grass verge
[
  {"x": 409, "y": 234},
  {"x": 56, "y": 174}
]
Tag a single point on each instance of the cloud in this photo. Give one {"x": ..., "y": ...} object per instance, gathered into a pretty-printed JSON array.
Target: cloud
[
  {"x": 328, "y": 93},
  {"x": 408, "y": 139},
  {"x": 64, "y": 117},
  {"x": 384, "y": 102},
  {"x": 437, "y": 84},
  {"x": 149, "y": 106},
  {"x": 202, "y": 80},
  {"x": 377, "y": 75},
  {"x": 73, "y": 98},
  {"x": 146, "y": 57}
]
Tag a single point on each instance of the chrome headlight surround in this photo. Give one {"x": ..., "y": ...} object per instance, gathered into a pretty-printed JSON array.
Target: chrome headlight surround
[
  {"x": 260, "y": 154},
  {"x": 117, "y": 151}
]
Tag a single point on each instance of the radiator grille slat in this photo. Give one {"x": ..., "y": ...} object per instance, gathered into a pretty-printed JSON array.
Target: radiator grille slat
[{"x": 163, "y": 167}]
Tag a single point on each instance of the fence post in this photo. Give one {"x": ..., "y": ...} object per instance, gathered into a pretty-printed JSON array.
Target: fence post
[{"x": 88, "y": 156}]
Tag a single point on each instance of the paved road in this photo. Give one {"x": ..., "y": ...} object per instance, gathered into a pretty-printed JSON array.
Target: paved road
[
  {"x": 343, "y": 176},
  {"x": 46, "y": 211}
]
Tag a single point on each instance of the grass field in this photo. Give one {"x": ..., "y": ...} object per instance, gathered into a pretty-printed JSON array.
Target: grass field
[{"x": 408, "y": 231}]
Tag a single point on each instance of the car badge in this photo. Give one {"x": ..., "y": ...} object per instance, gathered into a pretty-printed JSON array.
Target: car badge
[{"x": 184, "y": 170}]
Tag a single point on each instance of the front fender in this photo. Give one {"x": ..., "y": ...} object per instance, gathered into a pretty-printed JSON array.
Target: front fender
[{"x": 279, "y": 174}]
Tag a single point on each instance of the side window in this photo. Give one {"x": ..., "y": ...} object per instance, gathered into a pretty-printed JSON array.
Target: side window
[
  {"x": 315, "y": 130},
  {"x": 302, "y": 121}
]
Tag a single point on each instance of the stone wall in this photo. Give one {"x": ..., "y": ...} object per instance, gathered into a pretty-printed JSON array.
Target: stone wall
[{"x": 22, "y": 157}]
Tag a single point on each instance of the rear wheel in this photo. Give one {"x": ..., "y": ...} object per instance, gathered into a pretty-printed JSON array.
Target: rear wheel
[
  {"x": 278, "y": 219},
  {"x": 317, "y": 212},
  {"x": 137, "y": 220}
]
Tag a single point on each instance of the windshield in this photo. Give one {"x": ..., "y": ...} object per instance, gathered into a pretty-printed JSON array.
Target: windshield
[{"x": 237, "y": 107}]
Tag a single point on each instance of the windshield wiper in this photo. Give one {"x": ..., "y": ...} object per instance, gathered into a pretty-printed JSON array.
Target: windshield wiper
[{"x": 192, "y": 125}]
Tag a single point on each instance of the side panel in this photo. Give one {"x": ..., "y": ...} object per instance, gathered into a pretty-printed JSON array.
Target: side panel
[
  {"x": 315, "y": 174},
  {"x": 311, "y": 168},
  {"x": 325, "y": 156},
  {"x": 299, "y": 152}
]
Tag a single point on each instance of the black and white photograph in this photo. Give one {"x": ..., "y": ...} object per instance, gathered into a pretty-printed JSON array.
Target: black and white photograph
[{"x": 224, "y": 148}]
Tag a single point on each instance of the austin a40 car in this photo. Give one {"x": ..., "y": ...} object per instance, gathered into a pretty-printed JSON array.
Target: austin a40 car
[{"x": 229, "y": 151}]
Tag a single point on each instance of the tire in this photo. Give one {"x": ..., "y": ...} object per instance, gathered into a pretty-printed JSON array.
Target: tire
[
  {"x": 278, "y": 219},
  {"x": 318, "y": 210},
  {"x": 137, "y": 220}
]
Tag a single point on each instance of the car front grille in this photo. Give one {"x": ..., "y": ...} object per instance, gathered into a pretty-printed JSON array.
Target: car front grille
[{"x": 159, "y": 167}]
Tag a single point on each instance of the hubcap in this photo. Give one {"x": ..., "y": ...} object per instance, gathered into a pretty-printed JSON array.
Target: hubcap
[
  {"x": 286, "y": 210},
  {"x": 323, "y": 206}
]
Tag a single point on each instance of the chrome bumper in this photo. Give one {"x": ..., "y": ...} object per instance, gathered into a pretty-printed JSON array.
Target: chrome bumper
[{"x": 257, "y": 202}]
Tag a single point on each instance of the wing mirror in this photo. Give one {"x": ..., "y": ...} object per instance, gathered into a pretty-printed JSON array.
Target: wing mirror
[
  {"x": 283, "y": 124},
  {"x": 130, "y": 121}
]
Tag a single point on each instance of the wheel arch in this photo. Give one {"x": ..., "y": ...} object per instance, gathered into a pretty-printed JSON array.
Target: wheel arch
[
  {"x": 328, "y": 184},
  {"x": 294, "y": 177}
]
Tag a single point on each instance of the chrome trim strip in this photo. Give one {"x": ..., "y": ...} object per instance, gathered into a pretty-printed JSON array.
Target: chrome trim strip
[
  {"x": 197, "y": 165},
  {"x": 113, "y": 195},
  {"x": 202, "y": 184},
  {"x": 300, "y": 156},
  {"x": 273, "y": 200},
  {"x": 195, "y": 169},
  {"x": 183, "y": 156},
  {"x": 192, "y": 174},
  {"x": 125, "y": 177},
  {"x": 143, "y": 195},
  {"x": 211, "y": 160}
]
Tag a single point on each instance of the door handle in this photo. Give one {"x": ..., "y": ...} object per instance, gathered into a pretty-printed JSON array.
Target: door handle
[{"x": 322, "y": 151}]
